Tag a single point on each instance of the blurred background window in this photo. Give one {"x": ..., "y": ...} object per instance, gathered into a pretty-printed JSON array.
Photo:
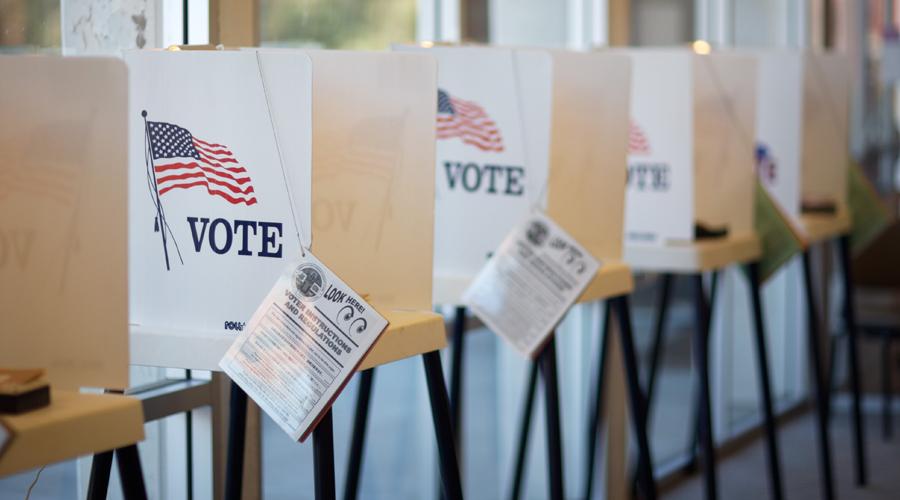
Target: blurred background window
[
  {"x": 29, "y": 26},
  {"x": 337, "y": 24}
]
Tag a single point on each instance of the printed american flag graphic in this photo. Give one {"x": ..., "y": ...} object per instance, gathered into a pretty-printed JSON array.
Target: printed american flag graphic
[
  {"x": 182, "y": 161},
  {"x": 637, "y": 140},
  {"x": 468, "y": 121}
]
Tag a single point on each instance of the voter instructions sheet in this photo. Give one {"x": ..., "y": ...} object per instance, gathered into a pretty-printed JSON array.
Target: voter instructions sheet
[
  {"x": 531, "y": 281},
  {"x": 302, "y": 345}
]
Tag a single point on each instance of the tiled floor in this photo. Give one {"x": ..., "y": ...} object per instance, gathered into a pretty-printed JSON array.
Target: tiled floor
[{"x": 743, "y": 477}]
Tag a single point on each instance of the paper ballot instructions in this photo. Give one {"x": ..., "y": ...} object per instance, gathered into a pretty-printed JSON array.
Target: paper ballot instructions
[
  {"x": 530, "y": 282},
  {"x": 302, "y": 345}
]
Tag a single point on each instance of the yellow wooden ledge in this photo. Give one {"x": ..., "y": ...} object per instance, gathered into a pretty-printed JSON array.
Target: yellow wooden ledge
[
  {"x": 613, "y": 279},
  {"x": 73, "y": 425},
  {"x": 409, "y": 333},
  {"x": 694, "y": 256},
  {"x": 820, "y": 227}
]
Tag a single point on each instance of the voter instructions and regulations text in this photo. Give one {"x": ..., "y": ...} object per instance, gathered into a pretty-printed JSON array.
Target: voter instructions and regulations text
[
  {"x": 302, "y": 345},
  {"x": 531, "y": 281}
]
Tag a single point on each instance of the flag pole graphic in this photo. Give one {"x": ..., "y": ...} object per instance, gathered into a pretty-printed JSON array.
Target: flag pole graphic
[{"x": 161, "y": 222}]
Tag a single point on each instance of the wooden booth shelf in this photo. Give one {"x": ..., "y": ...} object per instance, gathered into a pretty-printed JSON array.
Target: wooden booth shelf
[
  {"x": 73, "y": 425},
  {"x": 409, "y": 333},
  {"x": 694, "y": 256},
  {"x": 614, "y": 278},
  {"x": 820, "y": 227}
]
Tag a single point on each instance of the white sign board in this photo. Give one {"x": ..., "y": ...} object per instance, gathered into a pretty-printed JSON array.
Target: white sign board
[
  {"x": 660, "y": 187},
  {"x": 219, "y": 191},
  {"x": 779, "y": 116},
  {"x": 493, "y": 141}
]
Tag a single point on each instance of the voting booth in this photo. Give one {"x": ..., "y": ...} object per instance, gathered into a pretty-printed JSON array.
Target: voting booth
[
  {"x": 690, "y": 202},
  {"x": 235, "y": 199},
  {"x": 802, "y": 129},
  {"x": 690, "y": 161},
  {"x": 494, "y": 108},
  {"x": 63, "y": 259}
]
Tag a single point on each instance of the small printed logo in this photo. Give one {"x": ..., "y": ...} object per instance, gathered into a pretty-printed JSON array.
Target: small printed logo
[
  {"x": 537, "y": 233},
  {"x": 309, "y": 281},
  {"x": 467, "y": 121}
]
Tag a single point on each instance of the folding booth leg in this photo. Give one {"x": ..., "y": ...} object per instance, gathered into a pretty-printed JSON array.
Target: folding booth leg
[
  {"x": 443, "y": 427},
  {"x": 694, "y": 442},
  {"x": 456, "y": 374},
  {"x": 887, "y": 428},
  {"x": 596, "y": 406},
  {"x": 821, "y": 391},
  {"x": 701, "y": 358},
  {"x": 323, "y": 458},
  {"x": 662, "y": 310},
  {"x": 524, "y": 428},
  {"x": 765, "y": 385},
  {"x": 237, "y": 429},
  {"x": 636, "y": 401},
  {"x": 850, "y": 316},
  {"x": 101, "y": 466},
  {"x": 358, "y": 436},
  {"x": 547, "y": 365},
  {"x": 130, "y": 474}
]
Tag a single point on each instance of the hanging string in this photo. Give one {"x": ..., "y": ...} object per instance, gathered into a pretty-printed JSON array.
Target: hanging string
[
  {"x": 287, "y": 187},
  {"x": 726, "y": 103},
  {"x": 539, "y": 203}
]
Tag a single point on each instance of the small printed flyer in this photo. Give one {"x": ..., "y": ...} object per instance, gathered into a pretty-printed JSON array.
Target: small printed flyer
[
  {"x": 530, "y": 282},
  {"x": 302, "y": 345}
]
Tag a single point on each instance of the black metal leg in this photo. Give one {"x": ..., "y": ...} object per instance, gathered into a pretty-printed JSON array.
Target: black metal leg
[
  {"x": 547, "y": 365},
  {"x": 832, "y": 367},
  {"x": 765, "y": 386},
  {"x": 821, "y": 392},
  {"x": 524, "y": 429},
  {"x": 130, "y": 473},
  {"x": 101, "y": 466},
  {"x": 443, "y": 427},
  {"x": 694, "y": 442},
  {"x": 662, "y": 311},
  {"x": 701, "y": 358},
  {"x": 358, "y": 436},
  {"x": 237, "y": 429},
  {"x": 887, "y": 428},
  {"x": 850, "y": 315},
  {"x": 323, "y": 458},
  {"x": 635, "y": 398},
  {"x": 596, "y": 405},
  {"x": 456, "y": 375},
  {"x": 189, "y": 447}
]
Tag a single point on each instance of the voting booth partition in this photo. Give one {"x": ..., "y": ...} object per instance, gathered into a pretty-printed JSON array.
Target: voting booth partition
[
  {"x": 63, "y": 254},
  {"x": 803, "y": 159}
]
